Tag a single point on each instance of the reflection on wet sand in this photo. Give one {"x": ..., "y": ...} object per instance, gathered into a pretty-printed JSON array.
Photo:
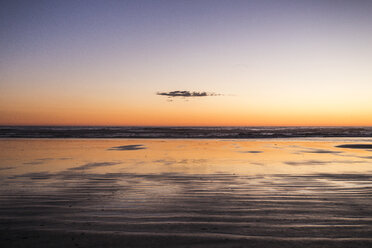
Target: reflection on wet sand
[
  {"x": 356, "y": 146},
  {"x": 127, "y": 148},
  {"x": 201, "y": 195}
]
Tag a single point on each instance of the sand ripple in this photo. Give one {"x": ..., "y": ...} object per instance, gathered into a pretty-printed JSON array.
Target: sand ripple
[{"x": 332, "y": 210}]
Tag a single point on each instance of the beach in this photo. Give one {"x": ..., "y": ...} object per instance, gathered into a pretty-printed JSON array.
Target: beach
[
  {"x": 301, "y": 192},
  {"x": 186, "y": 124}
]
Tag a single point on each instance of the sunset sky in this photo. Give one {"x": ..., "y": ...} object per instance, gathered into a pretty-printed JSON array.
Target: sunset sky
[{"x": 279, "y": 62}]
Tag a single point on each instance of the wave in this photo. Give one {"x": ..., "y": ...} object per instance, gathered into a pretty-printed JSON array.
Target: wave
[{"x": 180, "y": 132}]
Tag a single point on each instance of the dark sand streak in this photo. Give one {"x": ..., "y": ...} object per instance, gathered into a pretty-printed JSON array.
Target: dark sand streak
[
  {"x": 356, "y": 146},
  {"x": 127, "y": 148}
]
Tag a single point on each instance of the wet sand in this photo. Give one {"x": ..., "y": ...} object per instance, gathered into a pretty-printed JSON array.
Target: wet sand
[
  {"x": 356, "y": 146},
  {"x": 112, "y": 204}
]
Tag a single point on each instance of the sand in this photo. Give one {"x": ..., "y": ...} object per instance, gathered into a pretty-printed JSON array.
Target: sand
[
  {"x": 194, "y": 210},
  {"x": 356, "y": 146},
  {"x": 84, "y": 208}
]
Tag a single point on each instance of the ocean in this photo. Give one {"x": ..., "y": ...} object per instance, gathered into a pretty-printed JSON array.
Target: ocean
[{"x": 179, "y": 132}]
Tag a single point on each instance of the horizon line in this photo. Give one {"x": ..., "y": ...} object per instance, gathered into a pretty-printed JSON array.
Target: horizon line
[{"x": 71, "y": 125}]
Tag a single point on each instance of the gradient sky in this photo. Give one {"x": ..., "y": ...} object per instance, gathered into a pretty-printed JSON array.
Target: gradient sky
[{"x": 277, "y": 62}]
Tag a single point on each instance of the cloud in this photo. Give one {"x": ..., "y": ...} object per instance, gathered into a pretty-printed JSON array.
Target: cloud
[
  {"x": 186, "y": 93},
  {"x": 127, "y": 148}
]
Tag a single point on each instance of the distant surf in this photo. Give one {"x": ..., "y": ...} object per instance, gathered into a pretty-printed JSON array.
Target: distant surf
[{"x": 180, "y": 132}]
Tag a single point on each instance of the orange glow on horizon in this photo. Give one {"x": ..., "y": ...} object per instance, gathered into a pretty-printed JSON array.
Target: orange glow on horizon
[{"x": 197, "y": 118}]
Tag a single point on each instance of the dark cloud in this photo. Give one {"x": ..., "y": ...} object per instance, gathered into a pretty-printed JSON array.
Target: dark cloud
[
  {"x": 186, "y": 93},
  {"x": 356, "y": 146},
  {"x": 127, "y": 148}
]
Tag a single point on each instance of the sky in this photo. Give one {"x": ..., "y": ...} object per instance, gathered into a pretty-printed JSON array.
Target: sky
[{"x": 142, "y": 62}]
